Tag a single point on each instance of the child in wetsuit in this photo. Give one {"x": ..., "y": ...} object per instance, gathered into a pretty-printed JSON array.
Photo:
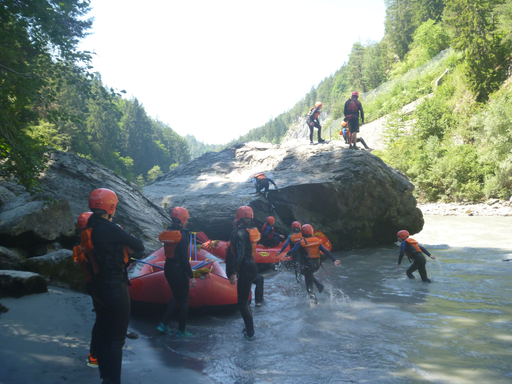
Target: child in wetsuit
[{"x": 414, "y": 252}]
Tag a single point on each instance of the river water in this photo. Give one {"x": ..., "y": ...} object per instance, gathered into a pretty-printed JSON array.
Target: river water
[{"x": 372, "y": 324}]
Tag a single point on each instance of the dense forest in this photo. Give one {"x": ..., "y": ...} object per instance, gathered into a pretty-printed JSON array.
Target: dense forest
[{"x": 457, "y": 144}]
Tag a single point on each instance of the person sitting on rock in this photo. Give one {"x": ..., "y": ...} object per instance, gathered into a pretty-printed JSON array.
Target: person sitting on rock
[
  {"x": 269, "y": 238},
  {"x": 345, "y": 131},
  {"x": 309, "y": 248},
  {"x": 414, "y": 251}
]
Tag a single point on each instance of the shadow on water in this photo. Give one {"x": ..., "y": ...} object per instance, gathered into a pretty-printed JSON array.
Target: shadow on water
[{"x": 372, "y": 324}]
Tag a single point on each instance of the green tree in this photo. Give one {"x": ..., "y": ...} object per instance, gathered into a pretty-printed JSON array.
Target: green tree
[
  {"x": 399, "y": 25},
  {"x": 473, "y": 32},
  {"x": 37, "y": 38},
  {"x": 373, "y": 68},
  {"x": 355, "y": 66}
]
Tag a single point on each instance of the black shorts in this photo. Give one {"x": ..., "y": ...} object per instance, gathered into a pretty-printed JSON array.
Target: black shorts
[{"x": 354, "y": 124}]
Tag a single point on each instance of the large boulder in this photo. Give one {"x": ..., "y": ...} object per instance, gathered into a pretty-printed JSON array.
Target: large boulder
[
  {"x": 58, "y": 268},
  {"x": 353, "y": 196},
  {"x": 68, "y": 180},
  {"x": 18, "y": 283},
  {"x": 11, "y": 259}
]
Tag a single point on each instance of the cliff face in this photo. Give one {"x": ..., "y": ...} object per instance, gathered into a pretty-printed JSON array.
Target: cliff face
[{"x": 352, "y": 196}]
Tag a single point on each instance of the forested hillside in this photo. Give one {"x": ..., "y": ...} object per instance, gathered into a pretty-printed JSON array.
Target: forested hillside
[{"x": 457, "y": 145}]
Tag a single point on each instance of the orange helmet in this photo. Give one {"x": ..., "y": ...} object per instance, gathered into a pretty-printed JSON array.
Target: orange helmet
[
  {"x": 181, "y": 214},
  {"x": 295, "y": 224},
  {"x": 403, "y": 234},
  {"x": 271, "y": 220},
  {"x": 355, "y": 93},
  {"x": 244, "y": 212},
  {"x": 81, "y": 223},
  {"x": 306, "y": 229},
  {"x": 103, "y": 198},
  {"x": 318, "y": 104}
]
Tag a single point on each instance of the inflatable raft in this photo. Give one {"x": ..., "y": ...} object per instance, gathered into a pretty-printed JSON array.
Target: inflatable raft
[
  {"x": 264, "y": 255},
  {"x": 148, "y": 283}
]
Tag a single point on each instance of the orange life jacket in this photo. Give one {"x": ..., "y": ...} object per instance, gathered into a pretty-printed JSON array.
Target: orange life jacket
[
  {"x": 260, "y": 176},
  {"x": 294, "y": 239},
  {"x": 170, "y": 240},
  {"x": 315, "y": 116},
  {"x": 254, "y": 236},
  {"x": 83, "y": 255},
  {"x": 312, "y": 246},
  {"x": 414, "y": 243}
]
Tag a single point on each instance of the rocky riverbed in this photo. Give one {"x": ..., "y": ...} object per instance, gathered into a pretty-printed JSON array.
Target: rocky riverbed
[{"x": 492, "y": 207}]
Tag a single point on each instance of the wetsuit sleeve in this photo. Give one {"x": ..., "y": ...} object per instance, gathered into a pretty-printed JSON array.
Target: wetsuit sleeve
[
  {"x": 181, "y": 253},
  {"x": 238, "y": 241},
  {"x": 360, "y": 106},
  {"x": 266, "y": 232},
  {"x": 124, "y": 238},
  {"x": 345, "y": 109},
  {"x": 425, "y": 251},
  {"x": 230, "y": 263},
  {"x": 272, "y": 181},
  {"x": 324, "y": 250},
  {"x": 297, "y": 246},
  {"x": 285, "y": 244},
  {"x": 255, "y": 180},
  {"x": 402, "y": 252}
]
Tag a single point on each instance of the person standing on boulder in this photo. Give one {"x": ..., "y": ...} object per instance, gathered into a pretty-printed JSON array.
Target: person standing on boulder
[
  {"x": 414, "y": 252},
  {"x": 109, "y": 247},
  {"x": 351, "y": 112},
  {"x": 313, "y": 122},
  {"x": 240, "y": 266},
  {"x": 177, "y": 270}
]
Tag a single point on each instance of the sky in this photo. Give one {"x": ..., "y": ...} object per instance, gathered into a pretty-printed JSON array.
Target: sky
[{"x": 217, "y": 69}]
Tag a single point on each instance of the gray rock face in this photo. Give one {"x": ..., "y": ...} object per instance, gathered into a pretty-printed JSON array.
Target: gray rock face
[
  {"x": 11, "y": 259},
  {"x": 353, "y": 196},
  {"x": 69, "y": 179},
  {"x": 17, "y": 284}
]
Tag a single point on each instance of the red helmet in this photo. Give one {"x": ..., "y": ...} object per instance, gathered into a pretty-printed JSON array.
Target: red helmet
[
  {"x": 244, "y": 212},
  {"x": 355, "y": 93},
  {"x": 403, "y": 234},
  {"x": 271, "y": 220},
  {"x": 318, "y": 104},
  {"x": 181, "y": 214},
  {"x": 103, "y": 198},
  {"x": 295, "y": 224},
  {"x": 306, "y": 229},
  {"x": 81, "y": 223}
]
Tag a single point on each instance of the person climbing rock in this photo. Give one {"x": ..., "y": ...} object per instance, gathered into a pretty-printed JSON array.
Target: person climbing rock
[
  {"x": 414, "y": 252},
  {"x": 313, "y": 122},
  {"x": 351, "y": 111},
  {"x": 177, "y": 271},
  {"x": 261, "y": 183},
  {"x": 240, "y": 266},
  {"x": 310, "y": 248}
]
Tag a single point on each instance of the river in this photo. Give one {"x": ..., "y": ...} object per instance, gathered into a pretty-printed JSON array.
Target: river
[{"x": 372, "y": 324}]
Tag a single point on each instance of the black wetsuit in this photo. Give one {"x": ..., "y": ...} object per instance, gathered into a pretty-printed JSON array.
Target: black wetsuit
[
  {"x": 313, "y": 122},
  {"x": 177, "y": 273},
  {"x": 109, "y": 292},
  {"x": 259, "y": 282},
  {"x": 419, "y": 261},
  {"x": 239, "y": 260},
  {"x": 353, "y": 123}
]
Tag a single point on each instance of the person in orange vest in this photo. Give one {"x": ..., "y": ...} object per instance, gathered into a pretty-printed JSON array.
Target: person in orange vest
[
  {"x": 261, "y": 183},
  {"x": 240, "y": 265},
  {"x": 177, "y": 270},
  {"x": 351, "y": 111},
  {"x": 414, "y": 252},
  {"x": 269, "y": 237},
  {"x": 345, "y": 131},
  {"x": 313, "y": 122},
  {"x": 292, "y": 240},
  {"x": 105, "y": 244},
  {"x": 311, "y": 248}
]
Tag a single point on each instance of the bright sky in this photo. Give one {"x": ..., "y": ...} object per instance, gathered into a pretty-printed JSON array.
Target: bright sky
[{"x": 217, "y": 69}]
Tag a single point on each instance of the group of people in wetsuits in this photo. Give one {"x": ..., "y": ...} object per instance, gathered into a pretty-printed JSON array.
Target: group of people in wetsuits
[{"x": 104, "y": 253}]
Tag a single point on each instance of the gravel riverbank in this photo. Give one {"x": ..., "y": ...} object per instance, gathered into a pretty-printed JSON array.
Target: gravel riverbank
[{"x": 492, "y": 207}]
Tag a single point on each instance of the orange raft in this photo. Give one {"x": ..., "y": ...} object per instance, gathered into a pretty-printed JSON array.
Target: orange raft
[
  {"x": 148, "y": 283},
  {"x": 264, "y": 255}
]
